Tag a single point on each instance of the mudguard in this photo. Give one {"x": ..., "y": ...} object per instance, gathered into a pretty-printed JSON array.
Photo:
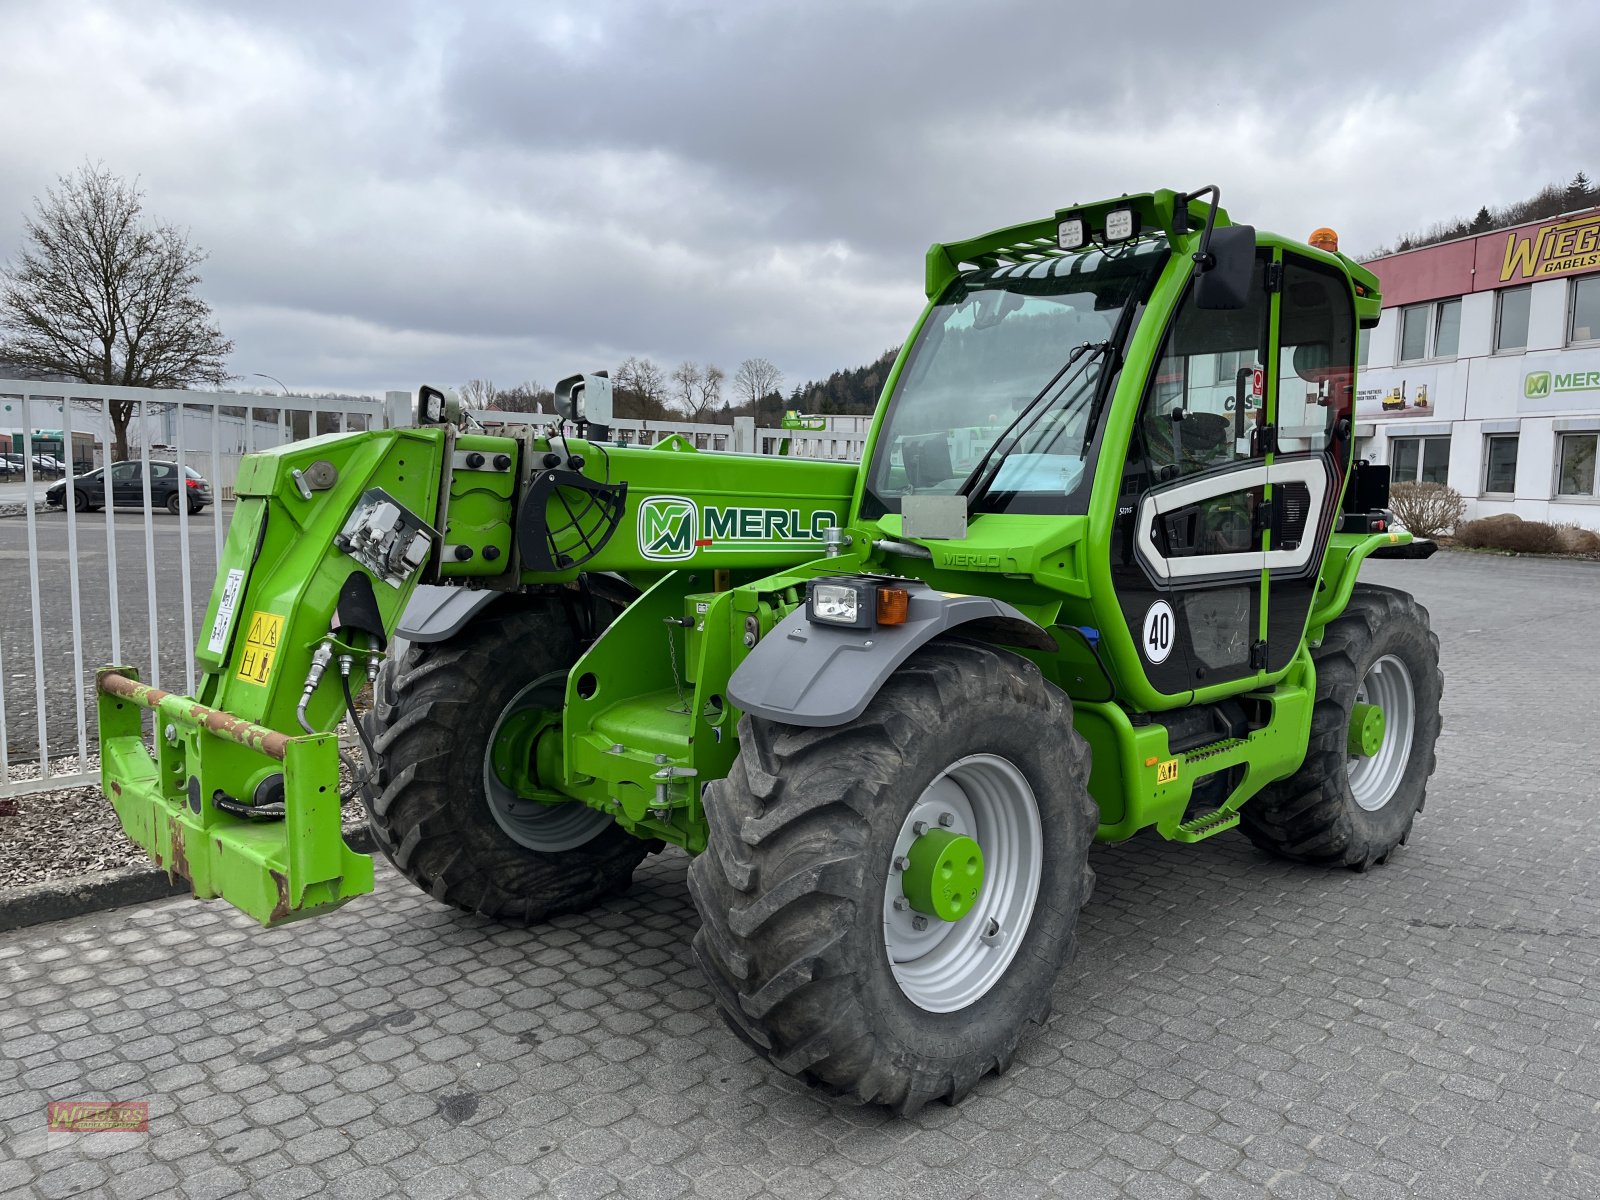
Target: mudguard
[
  {"x": 436, "y": 613},
  {"x": 819, "y": 675}
]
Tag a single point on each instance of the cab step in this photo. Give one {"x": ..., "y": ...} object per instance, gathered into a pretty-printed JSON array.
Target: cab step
[{"x": 1207, "y": 824}]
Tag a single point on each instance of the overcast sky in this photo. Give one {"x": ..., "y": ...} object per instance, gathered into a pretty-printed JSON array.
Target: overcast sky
[{"x": 393, "y": 193}]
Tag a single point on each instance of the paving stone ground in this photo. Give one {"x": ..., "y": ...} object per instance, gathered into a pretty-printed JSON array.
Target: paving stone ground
[{"x": 1233, "y": 1026}]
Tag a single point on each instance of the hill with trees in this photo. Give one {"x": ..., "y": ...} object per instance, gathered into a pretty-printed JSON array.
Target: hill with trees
[{"x": 1549, "y": 201}]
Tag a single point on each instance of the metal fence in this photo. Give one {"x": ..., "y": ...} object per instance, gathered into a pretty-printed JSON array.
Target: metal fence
[{"x": 82, "y": 586}]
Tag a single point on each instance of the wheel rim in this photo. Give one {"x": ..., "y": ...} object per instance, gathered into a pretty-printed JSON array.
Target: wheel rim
[
  {"x": 536, "y": 824},
  {"x": 948, "y": 965},
  {"x": 1374, "y": 781}
]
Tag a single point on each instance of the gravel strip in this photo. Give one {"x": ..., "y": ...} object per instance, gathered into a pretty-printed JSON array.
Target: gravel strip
[
  {"x": 55, "y": 835},
  {"x": 19, "y": 508}
]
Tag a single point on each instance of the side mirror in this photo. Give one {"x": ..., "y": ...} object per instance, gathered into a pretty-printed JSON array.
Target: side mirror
[
  {"x": 1224, "y": 269},
  {"x": 1313, "y": 361},
  {"x": 927, "y": 459},
  {"x": 585, "y": 398}
]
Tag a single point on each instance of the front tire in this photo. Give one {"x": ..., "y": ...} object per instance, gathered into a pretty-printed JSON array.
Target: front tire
[
  {"x": 1343, "y": 809},
  {"x": 80, "y": 501},
  {"x": 434, "y": 806},
  {"x": 800, "y": 935}
]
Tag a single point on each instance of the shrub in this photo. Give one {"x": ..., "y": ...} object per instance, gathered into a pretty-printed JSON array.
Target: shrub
[
  {"x": 1575, "y": 539},
  {"x": 1522, "y": 537},
  {"x": 1427, "y": 509}
]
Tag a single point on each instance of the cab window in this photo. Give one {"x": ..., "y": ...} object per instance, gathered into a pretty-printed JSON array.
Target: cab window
[{"x": 1203, "y": 400}]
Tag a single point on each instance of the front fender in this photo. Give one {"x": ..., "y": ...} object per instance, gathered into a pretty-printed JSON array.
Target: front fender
[
  {"x": 437, "y": 613},
  {"x": 820, "y": 675}
]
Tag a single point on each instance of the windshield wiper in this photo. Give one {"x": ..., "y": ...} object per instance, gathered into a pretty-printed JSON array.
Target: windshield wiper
[{"x": 978, "y": 481}]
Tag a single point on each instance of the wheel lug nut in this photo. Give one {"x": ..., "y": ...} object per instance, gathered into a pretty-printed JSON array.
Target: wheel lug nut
[
  {"x": 919, "y": 827},
  {"x": 919, "y": 923},
  {"x": 901, "y": 904},
  {"x": 901, "y": 863},
  {"x": 947, "y": 819}
]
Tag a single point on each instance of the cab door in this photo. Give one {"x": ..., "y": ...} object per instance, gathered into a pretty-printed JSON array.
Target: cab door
[
  {"x": 1188, "y": 542},
  {"x": 1308, "y": 432}
]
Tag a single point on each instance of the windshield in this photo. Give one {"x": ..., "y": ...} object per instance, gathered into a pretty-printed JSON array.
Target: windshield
[{"x": 996, "y": 341}]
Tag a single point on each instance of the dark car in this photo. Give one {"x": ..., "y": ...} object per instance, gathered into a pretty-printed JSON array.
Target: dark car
[
  {"x": 45, "y": 466},
  {"x": 168, "y": 484}
]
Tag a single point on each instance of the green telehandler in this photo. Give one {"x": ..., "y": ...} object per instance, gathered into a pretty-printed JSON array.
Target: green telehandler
[{"x": 1095, "y": 573}]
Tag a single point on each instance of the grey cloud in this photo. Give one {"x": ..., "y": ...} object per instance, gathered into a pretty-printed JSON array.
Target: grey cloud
[{"x": 391, "y": 192}]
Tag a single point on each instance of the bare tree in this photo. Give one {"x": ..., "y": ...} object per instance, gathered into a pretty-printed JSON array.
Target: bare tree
[
  {"x": 527, "y": 397},
  {"x": 755, "y": 379},
  {"x": 479, "y": 393},
  {"x": 100, "y": 295},
  {"x": 640, "y": 389},
  {"x": 711, "y": 380},
  {"x": 686, "y": 379}
]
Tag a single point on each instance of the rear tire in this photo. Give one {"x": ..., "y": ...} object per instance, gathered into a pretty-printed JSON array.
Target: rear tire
[
  {"x": 174, "y": 503},
  {"x": 794, "y": 888},
  {"x": 1337, "y": 809},
  {"x": 429, "y": 805}
]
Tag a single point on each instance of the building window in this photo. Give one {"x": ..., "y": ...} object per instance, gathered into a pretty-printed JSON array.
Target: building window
[
  {"x": 1363, "y": 347},
  {"x": 1419, "y": 460},
  {"x": 1446, "y": 328},
  {"x": 1576, "y": 475},
  {"x": 1414, "y": 333},
  {"x": 1585, "y": 323},
  {"x": 1511, "y": 318},
  {"x": 1500, "y": 464}
]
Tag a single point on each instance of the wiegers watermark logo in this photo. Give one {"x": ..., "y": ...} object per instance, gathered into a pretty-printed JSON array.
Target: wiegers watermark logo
[
  {"x": 98, "y": 1116},
  {"x": 1554, "y": 249},
  {"x": 675, "y": 527}
]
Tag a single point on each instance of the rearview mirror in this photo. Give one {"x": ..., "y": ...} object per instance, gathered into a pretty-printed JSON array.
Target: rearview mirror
[
  {"x": 993, "y": 308},
  {"x": 1223, "y": 282}
]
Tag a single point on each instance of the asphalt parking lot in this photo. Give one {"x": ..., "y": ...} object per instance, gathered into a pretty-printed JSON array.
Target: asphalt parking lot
[{"x": 1233, "y": 1026}]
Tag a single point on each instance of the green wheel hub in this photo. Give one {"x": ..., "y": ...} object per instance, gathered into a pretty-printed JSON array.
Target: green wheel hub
[
  {"x": 1366, "y": 729},
  {"x": 944, "y": 874}
]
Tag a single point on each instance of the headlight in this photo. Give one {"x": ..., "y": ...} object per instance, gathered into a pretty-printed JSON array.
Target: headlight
[
  {"x": 840, "y": 604},
  {"x": 856, "y": 603}
]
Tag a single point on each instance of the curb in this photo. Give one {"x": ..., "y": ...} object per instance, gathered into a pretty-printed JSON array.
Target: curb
[{"x": 97, "y": 891}]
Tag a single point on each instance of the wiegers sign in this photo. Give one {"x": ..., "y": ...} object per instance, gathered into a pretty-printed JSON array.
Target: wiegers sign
[{"x": 1545, "y": 251}]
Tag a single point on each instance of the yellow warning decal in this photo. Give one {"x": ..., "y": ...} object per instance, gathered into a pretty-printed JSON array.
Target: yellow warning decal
[
  {"x": 260, "y": 647},
  {"x": 1167, "y": 772}
]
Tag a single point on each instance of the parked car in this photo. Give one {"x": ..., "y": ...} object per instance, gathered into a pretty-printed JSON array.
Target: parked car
[
  {"x": 169, "y": 483},
  {"x": 45, "y": 466}
]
